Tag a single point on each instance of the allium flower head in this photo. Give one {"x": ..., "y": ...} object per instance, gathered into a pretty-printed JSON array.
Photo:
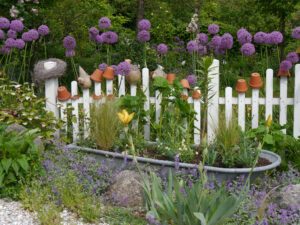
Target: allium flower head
[
  {"x": 213, "y": 29},
  {"x": 275, "y": 38},
  {"x": 26, "y": 37},
  {"x": 292, "y": 57},
  {"x": 69, "y": 42},
  {"x": 144, "y": 36},
  {"x": 124, "y": 69},
  {"x": 162, "y": 48},
  {"x": 260, "y": 37},
  {"x": 248, "y": 49},
  {"x": 109, "y": 37},
  {"x": 1, "y": 34},
  {"x": 144, "y": 25},
  {"x": 244, "y": 37},
  {"x": 202, "y": 50},
  {"x": 240, "y": 31},
  {"x": 216, "y": 41},
  {"x": 10, "y": 43},
  {"x": 192, "y": 79},
  {"x": 34, "y": 34},
  {"x": 70, "y": 52},
  {"x": 104, "y": 23},
  {"x": 226, "y": 41},
  {"x": 202, "y": 38},
  {"x": 11, "y": 33},
  {"x": 102, "y": 67},
  {"x": 19, "y": 44},
  {"x": 4, "y": 23},
  {"x": 115, "y": 69},
  {"x": 99, "y": 39},
  {"x": 192, "y": 46},
  {"x": 16, "y": 25},
  {"x": 285, "y": 65},
  {"x": 43, "y": 30},
  {"x": 93, "y": 32},
  {"x": 295, "y": 33}
]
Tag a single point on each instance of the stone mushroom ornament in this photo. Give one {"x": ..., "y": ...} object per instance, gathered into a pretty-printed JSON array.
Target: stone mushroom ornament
[
  {"x": 135, "y": 74},
  {"x": 84, "y": 80},
  {"x": 158, "y": 72}
]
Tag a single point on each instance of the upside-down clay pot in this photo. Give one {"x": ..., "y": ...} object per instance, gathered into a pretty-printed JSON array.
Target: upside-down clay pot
[
  {"x": 110, "y": 97},
  {"x": 97, "y": 76},
  {"x": 63, "y": 94},
  {"x": 185, "y": 83},
  {"x": 171, "y": 77},
  {"x": 284, "y": 73},
  {"x": 185, "y": 97},
  {"x": 255, "y": 81},
  {"x": 97, "y": 97},
  {"x": 109, "y": 73},
  {"x": 241, "y": 86},
  {"x": 196, "y": 94},
  {"x": 75, "y": 97}
]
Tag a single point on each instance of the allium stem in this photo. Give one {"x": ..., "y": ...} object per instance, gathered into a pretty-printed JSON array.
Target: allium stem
[
  {"x": 30, "y": 55},
  {"x": 45, "y": 50},
  {"x": 74, "y": 67},
  {"x": 23, "y": 64},
  {"x": 145, "y": 55}
]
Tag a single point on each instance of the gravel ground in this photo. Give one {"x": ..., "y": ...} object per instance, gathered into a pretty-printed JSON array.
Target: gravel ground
[{"x": 11, "y": 212}]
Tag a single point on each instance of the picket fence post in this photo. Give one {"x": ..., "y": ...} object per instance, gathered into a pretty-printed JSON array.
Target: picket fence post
[
  {"x": 51, "y": 86},
  {"x": 269, "y": 93},
  {"x": 75, "y": 124},
  {"x": 145, "y": 80},
  {"x": 296, "y": 132}
]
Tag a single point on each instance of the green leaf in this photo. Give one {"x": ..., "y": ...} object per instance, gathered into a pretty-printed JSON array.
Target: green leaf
[
  {"x": 23, "y": 163},
  {"x": 200, "y": 217},
  {"x": 6, "y": 164},
  {"x": 269, "y": 139},
  {"x": 1, "y": 179},
  {"x": 15, "y": 166}
]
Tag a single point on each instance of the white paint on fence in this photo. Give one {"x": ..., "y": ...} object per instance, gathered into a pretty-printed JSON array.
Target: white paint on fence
[
  {"x": 283, "y": 100},
  {"x": 269, "y": 93},
  {"x": 97, "y": 88},
  {"x": 86, "y": 105},
  {"x": 121, "y": 85},
  {"x": 133, "y": 93},
  {"x": 255, "y": 107},
  {"x": 241, "y": 110},
  {"x": 74, "y": 92},
  {"x": 197, "y": 121},
  {"x": 228, "y": 105},
  {"x": 185, "y": 92},
  {"x": 51, "y": 86},
  {"x": 63, "y": 114},
  {"x": 297, "y": 102},
  {"x": 158, "y": 99},
  {"x": 109, "y": 87},
  {"x": 145, "y": 80}
]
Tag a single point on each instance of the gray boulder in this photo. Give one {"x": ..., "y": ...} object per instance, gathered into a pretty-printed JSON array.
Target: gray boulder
[
  {"x": 126, "y": 189},
  {"x": 19, "y": 128},
  {"x": 289, "y": 196}
]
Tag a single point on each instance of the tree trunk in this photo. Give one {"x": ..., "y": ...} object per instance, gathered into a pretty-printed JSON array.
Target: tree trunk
[{"x": 139, "y": 13}]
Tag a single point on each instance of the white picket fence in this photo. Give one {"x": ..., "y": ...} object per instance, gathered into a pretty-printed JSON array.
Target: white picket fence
[{"x": 213, "y": 108}]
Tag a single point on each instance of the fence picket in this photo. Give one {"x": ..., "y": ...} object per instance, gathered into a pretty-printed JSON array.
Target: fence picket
[
  {"x": 185, "y": 92},
  {"x": 86, "y": 104},
  {"x": 283, "y": 101},
  {"x": 121, "y": 85},
  {"x": 51, "y": 86},
  {"x": 63, "y": 114},
  {"x": 296, "y": 131},
  {"x": 158, "y": 99},
  {"x": 228, "y": 105},
  {"x": 241, "y": 110},
  {"x": 255, "y": 107},
  {"x": 197, "y": 121},
  {"x": 133, "y": 93},
  {"x": 109, "y": 87},
  {"x": 146, "y": 91},
  {"x": 269, "y": 93},
  {"x": 75, "y": 124},
  {"x": 97, "y": 88}
]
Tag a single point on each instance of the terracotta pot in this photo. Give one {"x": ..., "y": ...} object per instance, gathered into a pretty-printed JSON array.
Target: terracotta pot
[
  {"x": 298, "y": 50},
  {"x": 63, "y": 94},
  {"x": 97, "y": 75},
  {"x": 134, "y": 76},
  {"x": 255, "y": 81},
  {"x": 97, "y": 97},
  {"x": 185, "y": 97},
  {"x": 284, "y": 73},
  {"x": 196, "y": 94},
  {"x": 110, "y": 97},
  {"x": 171, "y": 77},
  {"x": 185, "y": 83},
  {"x": 109, "y": 73},
  {"x": 75, "y": 97},
  {"x": 241, "y": 86}
]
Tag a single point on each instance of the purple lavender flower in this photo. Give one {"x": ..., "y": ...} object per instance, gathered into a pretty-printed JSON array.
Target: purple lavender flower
[
  {"x": 292, "y": 57},
  {"x": 152, "y": 220},
  {"x": 144, "y": 36},
  {"x": 226, "y": 41},
  {"x": 34, "y": 34},
  {"x": 19, "y": 44},
  {"x": 115, "y": 73},
  {"x": 43, "y": 30},
  {"x": 260, "y": 37},
  {"x": 295, "y": 33},
  {"x": 202, "y": 50},
  {"x": 109, "y": 37},
  {"x": 10, "y": 43},
  {"x": 93, "y": 32},
  {"x": 70, "y": 52},
  {"x": 192, "y": 46},
  {"x": 216, "y": 41},
  {"x": 162, "y": 48},
  {"x": 275, "y": 38},
  {"x": 11, "y": 34},
  {"x": 99, "y": 39},
  {"x": 26, "y": 37},
  {"x": 104, "y": 23},
  {"x": 192, "y": 79},
  {"x": 124, "y": 69},
  {"x": 102, "y": 67},
  {"x": 285, "y": 65},
  {"x": 1, "y": 34},
  {"x": 248, "y": 49},
  {"x": 69, "y": 42},
  {"x": 176, "y": 163},
  {"x": 4, "y": 23},
  {"x": 240, "y": 31},
  {"x": 144, "y": 25},
  {"x": 202, "y": 38},
  {"x": 16, "y": 25},
  {"x": 244, "y": 37},
  {"x": 213, "y": 29}
]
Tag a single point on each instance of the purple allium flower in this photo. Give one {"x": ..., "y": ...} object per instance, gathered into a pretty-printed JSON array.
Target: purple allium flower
[
  {"x": 176, "y": 38},
  {"x": 202, "y": 50},
  {"x": 26, "y": 37},
  {"x": 10, "y": 43},
  {"x": 99, "y": 39},
  {"x": 93, "y": 32},
  {"x": 260, "y": 37},
  {"x": 202, "y": 38},
  {"x": 219, "y": 51},
  {"x": 104, "y": 23},
  {"x": 295, "y": 32},
  {"x": 144, "y": 25},
  {"x": 70, "y": 52},
  {"x": 109, "y": 37},
  {"x": 144, "y": 36},
  {"x": 162, "y": 48},
  {"x": 285, "y": 65},
  {"x": 124, "y": 69},
  {"x": 192, "y": 79},
  {"x": 216, "y": 41},
  {"x": 115, "y": 73},
  {"x": 4, "y": 23},
  {"x": 1, "y": 34},
  {"x": 292, "y": 57},
  {"x": 247, "y": 49},
  {"x": 192, "y": 46},
  {"x": 102, "y": 67},
  {"x": 34, "y": 34},
  {"x": 43, "y": 30},
  {"x": 11, "y": 34},
  {"x": 69, "y": 42},
  {"x": 240, "y": 31},
  {"x": 244, "y": 37},
  {"x": 213, "y": 29},
  {"x": 226, "y": 41},
  {"x": 19, "y": 44},
  {"x": 275, "y": 38},
  {"x": 16, "y": 25}
]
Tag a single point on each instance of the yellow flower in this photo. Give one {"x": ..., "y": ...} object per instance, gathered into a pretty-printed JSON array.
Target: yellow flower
[
  {"x": 269, "y": 120},
  {"x": 124, "y": 117}
]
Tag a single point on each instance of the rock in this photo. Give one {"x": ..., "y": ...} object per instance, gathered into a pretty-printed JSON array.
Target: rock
[
  {"x": 288, "y": 196},
  {"x": 126, "y": 189},
  {"x": 19, "y": 128}
]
